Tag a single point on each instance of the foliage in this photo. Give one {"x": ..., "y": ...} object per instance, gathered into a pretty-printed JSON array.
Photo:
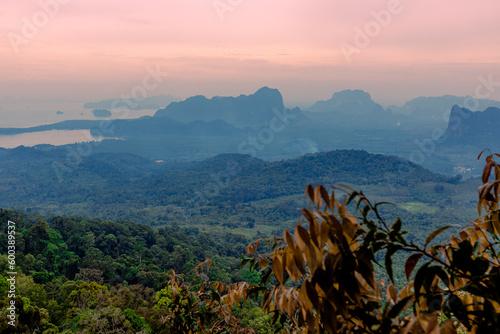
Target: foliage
[
  {"x": 325, "y": 279},
  {"x": 200, "y": 306}
]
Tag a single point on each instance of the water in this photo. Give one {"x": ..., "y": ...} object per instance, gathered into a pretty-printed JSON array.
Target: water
[
  {"x": 53, "y": 137},
  {"x": 25, "y": 115}
]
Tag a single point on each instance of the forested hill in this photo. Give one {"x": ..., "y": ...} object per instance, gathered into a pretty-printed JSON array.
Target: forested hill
[
  {"x": 241, "y": 178},
  {"x": 124, "y": 186}
]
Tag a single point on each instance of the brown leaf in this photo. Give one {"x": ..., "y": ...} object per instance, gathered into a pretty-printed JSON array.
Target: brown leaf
[
  {"x": 479, "y": 156},
  {"x": 278, "y": 269},
  {"x": 301, "y": 237},
  {"x": 308, "y": 215},
  {"x": 288, "y": 239},
  {"x": 324, "y": 232},
  {"x": 433, "y": 326},
  {"x": 325, "y": 197},
  {"x": 317, "y": 198},
  {"x": 291, "y": 266},
  {"x": 310, "y": 192},
  {"x": 314, "y": 231},
  {"x": 485, "y": 189},
  {"x": 312, "y": 294},
  {"x": 448, "y": 327},
  {"x": 392, "y": 295},
  {"x": 487, "y": 171},
  {"x": 410, "y": 264}
]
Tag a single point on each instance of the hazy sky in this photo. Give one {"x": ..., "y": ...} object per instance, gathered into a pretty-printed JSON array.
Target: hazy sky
[{"x": 95, "y": 49}]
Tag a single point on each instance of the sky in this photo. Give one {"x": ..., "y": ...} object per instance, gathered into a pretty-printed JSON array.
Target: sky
[{"x": 88, "y": 50}]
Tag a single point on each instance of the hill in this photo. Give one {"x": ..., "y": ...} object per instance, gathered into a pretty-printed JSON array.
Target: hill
[{"x": 125, "y": 186}]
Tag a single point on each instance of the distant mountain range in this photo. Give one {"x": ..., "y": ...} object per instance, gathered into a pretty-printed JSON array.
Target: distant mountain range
[
  {"x": 348, "y": 109},
  {"x": 200, "y": 127},
  {"x": 438, "y": 107}
]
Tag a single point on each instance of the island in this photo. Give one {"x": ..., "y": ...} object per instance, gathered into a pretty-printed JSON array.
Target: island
[{"x": 101, "y": 113}]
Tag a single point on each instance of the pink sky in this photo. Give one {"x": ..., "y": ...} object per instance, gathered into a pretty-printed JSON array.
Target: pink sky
[{"x": 91, "y": 50}]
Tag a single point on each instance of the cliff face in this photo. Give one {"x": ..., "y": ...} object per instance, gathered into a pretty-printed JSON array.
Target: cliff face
[
  {"x": 474, "y": 128},
  {"x": 244, "y": 110}
]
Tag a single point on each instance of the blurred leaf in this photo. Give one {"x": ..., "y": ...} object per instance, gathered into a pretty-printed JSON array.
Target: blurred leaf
[{"x": 435, "y": 234}]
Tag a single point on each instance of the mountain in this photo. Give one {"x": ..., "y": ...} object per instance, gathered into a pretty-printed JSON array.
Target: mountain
[
  {"x": 480, "y": 129},
  {"x": 353, "y": 109},
  {"x": 150, "y": 102},
  {"x": 245, "y": 110},
  {"x": 437, "y": 107},
  {"x": 350, "y": 102}
]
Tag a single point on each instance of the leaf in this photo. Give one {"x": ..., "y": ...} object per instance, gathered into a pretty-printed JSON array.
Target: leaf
[
  {"x": 485, "y": 189},
  {"x": 435, "y": 234},
  {"x": 291, "y": 266},
  {"x": 433, "y": 326},
  {"x": 398, "y": 307},
  {"x": 388, "y": 261},
  {"x": 308, "y": 215},
  {"x": 479, "y": 156},
  {"x": 410, "y": 264},
  {"x": 396, "y": 226},
  {"x": 487, "y": 171},
  {"x": 317, "y": 198},
  {"x": 289, "y": 239},
  {"x": 326, "y": 198},
  {"x": 301, "y": 237},
  {"x": 278, "y": 267},
  {"x": 419, "y": 279},
  {"x": 310, "y": 192},
  {"x": 263, "y": 263},
  {"x": 448, "y": 327},
  {"x": 312, "y": 294},
  {"x": 391, "y": 293}
]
